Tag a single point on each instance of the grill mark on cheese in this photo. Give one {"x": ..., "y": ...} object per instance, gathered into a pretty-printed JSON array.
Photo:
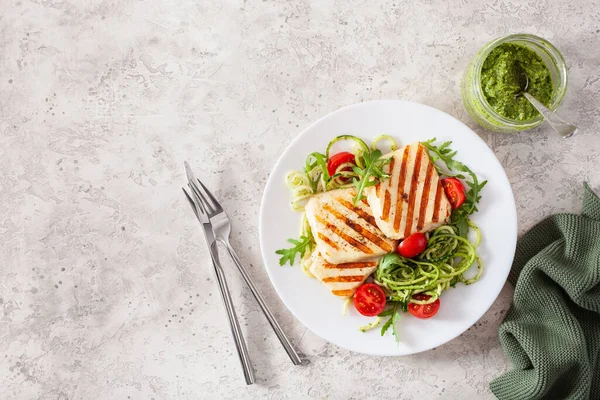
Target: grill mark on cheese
[
  {"x": 344, "y": 293},
  {"x": 387, "y": 202},
  {"x": 351, "y": 265},
  {"x": 361, "y": 213},
  {"x": 401, "y": 181},
  {"x": 438, "y": 200},
  {"x": 349, "y": 239},
  {"x": 379, "y": 242},
  {"x": 328, "y": 241},
  {"x": 414, "y": 185},
  {"x": 356, "y": 227},
  {"x": 425, "y": 197},
  {"x": 391, "y": 168},
  {"x": 347, "y": 278}
]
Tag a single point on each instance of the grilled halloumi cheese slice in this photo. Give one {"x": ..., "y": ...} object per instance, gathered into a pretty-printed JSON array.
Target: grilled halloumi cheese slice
[
  {"x": 341, "y": 279},
  {"x": 345, "y": 233},
  {"x": 412, "y": 199}
]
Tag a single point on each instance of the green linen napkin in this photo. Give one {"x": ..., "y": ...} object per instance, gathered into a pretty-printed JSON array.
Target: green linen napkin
[{"x": 552, "y": 331}]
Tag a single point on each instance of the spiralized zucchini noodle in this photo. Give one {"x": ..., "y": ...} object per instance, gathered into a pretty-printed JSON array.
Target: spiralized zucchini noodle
[
  {"x": 441, "y": 266},
  {"x": 300, "y": 185},
  {"x": 345, "y": 306},
  {"x": 384, "y": 137}
]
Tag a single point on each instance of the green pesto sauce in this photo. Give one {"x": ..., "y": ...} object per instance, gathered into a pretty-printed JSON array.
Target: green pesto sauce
[{"x": 500, "y": 81}]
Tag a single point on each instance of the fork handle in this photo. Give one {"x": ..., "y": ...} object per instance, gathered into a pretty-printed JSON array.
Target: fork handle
[
  {"x": 236, "y": 331},
  {"x": 264, "y": 307}
]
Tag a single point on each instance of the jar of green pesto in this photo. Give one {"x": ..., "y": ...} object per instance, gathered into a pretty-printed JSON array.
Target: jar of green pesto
[{"x": 491, "y": 82}]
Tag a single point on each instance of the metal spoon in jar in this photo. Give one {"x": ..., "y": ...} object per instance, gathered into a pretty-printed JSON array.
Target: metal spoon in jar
[{"x": 562, "y": 127}]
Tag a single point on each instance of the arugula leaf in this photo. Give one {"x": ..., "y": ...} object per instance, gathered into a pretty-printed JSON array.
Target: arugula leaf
[
  {"x": 312, "y": 161},
  {"x": 463, "y": 227},
  {"x": 371, "y": 174},
  {"x": 388, "y": 260},
  {"x": 386, "y": 326},
  {"x": 394, "y": 313},
  {"x": 404, "y": 305},
  {"x": 386, "y": 313},
  {"x": 300, "y": 247},
  {"x": 444, "y": 153}
]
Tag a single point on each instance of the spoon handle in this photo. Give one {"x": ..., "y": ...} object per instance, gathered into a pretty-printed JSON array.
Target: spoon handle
[{"x": 562, "y": 127}]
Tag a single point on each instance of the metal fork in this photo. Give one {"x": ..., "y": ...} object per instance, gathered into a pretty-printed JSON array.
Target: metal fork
[
  {"x": 221, "y": 227},
  {"x": 236, "y": 330}
]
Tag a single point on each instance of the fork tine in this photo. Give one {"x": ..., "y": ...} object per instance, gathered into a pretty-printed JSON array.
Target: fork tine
[
  {"x": 201, "y": 193},
  {"x": 201, "y": 200},
  {"x": 216, "y": 204},
  {"x": 208, "y": 208},
  {"x": 192, "y": 203}
]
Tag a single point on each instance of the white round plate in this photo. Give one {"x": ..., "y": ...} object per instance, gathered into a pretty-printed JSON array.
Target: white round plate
[{"x": 461, "y": 307}]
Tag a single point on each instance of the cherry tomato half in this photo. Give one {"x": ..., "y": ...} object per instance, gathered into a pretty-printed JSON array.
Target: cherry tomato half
[
  {"x": 338, "y": 159},
  {"x": 423, "y": 311},
  {"x": 455, "y": 191},
  {"x": 413, "y": 245},
  {"x": 369, "y": 299}
]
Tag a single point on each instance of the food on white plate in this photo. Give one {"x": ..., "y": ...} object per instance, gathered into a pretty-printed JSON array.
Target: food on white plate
[
  {"x": 412, "y": 199},
  {"x": 413, "y": 245},
  {"x": 355, "y": 204},
  {"x": 345, "y": 232},
  {"x": 370, "y": 301},
  {"x": 455, "y": 191},
  {"x": 341, "y": 279},
  {"x": 423, "y": 311}
]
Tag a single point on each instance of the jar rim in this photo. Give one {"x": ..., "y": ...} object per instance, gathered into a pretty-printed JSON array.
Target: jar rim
[{"x": 537, "y": 41}]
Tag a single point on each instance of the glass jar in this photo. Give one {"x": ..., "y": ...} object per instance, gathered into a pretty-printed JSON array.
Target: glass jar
[{"x": 472, "y": 92}]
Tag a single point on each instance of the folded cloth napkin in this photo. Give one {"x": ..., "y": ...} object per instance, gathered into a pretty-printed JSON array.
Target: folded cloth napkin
[{"x": 552, "y": 331}]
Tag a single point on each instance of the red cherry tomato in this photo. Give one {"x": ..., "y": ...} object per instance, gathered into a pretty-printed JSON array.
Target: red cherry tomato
[
  {"x": 369, "y": 299},
  {"x": 413, "y": 245},
  {"x": 455, "y": 191},
  {"x": 338, "y": 159},
  {"x": 423, "y": 311}
]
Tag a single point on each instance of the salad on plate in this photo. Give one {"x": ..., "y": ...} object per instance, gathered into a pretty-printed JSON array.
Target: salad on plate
[{"x": 388, "y": 232}]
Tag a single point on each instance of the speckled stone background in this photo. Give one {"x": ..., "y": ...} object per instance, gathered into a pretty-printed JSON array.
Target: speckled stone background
[{"x": 105, "y": 287}]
